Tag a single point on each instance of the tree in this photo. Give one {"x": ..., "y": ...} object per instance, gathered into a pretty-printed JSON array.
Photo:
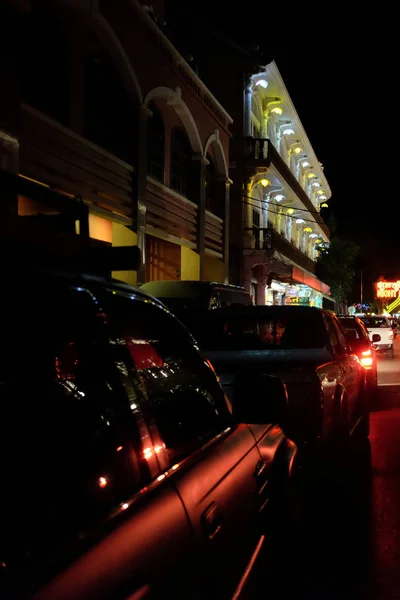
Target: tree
[{"x": 335, "y": 266}]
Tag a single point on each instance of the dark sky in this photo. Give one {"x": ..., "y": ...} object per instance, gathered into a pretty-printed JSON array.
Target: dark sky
[{"x": 341, "y": 70}]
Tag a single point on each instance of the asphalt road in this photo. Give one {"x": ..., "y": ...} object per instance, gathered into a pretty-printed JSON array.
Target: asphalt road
[{"x": 350, "y": 542}]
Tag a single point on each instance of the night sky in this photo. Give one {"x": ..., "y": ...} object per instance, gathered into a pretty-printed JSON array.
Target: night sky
[{"x": 340, "y": 68}]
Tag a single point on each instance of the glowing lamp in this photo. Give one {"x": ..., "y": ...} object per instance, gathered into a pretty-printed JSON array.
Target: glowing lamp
[
  {"x": 310, "y": 175},
  {"x": 313, "y": 235},
  {"x": 318, "y": 241},
  {"x": 265, "y": 182},
  {"x": 298, "y": 149},
  {"x": 320, "y": 192},
  {"x": 277, "y": 110},
  {"x": 279, "y": 197},
  {"x": 305, "y": 164},
  {"x": 308, "y": 230},
  {"x": 324, "y": 205},
  {"x": 288, "y": 132},
  {"x": 316, "y": 184},
  {"x": 290, "y": 211},
  {"x": 262, "y": 83},
  {"x": 300, "y": 221},
  {"x": 322, "y": 197}
]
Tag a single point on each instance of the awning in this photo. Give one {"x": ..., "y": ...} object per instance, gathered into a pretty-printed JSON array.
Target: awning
[{"x": 300, "y": 276}]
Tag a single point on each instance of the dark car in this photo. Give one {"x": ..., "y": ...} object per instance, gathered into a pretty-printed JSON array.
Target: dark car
[
  {"x": 124, "y": 472},
  {"x": 357, "y": 335},
  {"x": 306, "y": 348}
]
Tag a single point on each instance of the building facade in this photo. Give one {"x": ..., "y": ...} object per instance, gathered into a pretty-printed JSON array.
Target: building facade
[
  {"x": 278, "y": 185},
  {"x": 102, "y": 112}
]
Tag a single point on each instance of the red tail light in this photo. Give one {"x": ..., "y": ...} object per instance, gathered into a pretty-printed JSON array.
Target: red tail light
[{"x": 366, "y": 359}]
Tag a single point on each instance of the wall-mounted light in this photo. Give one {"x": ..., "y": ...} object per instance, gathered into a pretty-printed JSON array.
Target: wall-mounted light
[
  {"x": 279, "y": 198},
  {"x": 318, "y": 241},
  {"x": 288, "y": 131},
  {"x": 311, "y": 175},
  {"x": 300, "y": 221},
  {"x": 307, "y": 230},
  {"x": 324, "y": 205},
  {"x": 319, "y": 192},
  {"x": 313, "y": 235},
  {"x": 316, "y": 184},
  {"x": 277, "y": 110},
  {"x": 262, "y": 83},
  {"x": 305, "y": 164},
  {"x": 265, "y": 182},
  {"x": 298, "y": 150},
  {"x": 290, "y": 211},
  {"x": 322, "y": 197}
]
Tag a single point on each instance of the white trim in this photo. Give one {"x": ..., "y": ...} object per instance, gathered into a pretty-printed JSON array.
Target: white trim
[
  {"x": 174, "y": 99},
  {"x": 168, "y": 237},
  {"x": 168, "y": 190},
  {"x": 210, "y": 214},
  {"x": 179, "y": 59},
  {"x": 214, "y": 137}
]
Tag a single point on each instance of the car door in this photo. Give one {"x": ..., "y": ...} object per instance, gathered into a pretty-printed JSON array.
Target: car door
[
  {"x": 83, "y": 514},
  {"x": 353, "y": 375},
  {"x": 212, "y": 463}
]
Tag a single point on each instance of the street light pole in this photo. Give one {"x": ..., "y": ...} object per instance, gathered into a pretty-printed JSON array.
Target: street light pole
[{"x": 361, "y": 290}]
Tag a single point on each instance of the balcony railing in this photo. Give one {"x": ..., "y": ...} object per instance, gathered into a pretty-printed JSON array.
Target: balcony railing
[
  {"x": 261, "y": 152},
  {"x": 60, "y": 158},
  {"x": 269, "y": 240}
]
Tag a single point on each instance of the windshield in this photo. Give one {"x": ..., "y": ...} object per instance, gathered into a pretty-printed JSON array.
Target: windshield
[
  {"x": 376, "y": 322},
  {"x": 258, "y": 332}
]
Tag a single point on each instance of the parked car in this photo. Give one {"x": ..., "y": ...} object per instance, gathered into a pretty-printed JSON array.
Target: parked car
[
  {"x": 303, "y": 346},
  {"x": 124, "y": 472},
  {"x": 380, "y": 325},
  {"x": 183, "y": 296},
  {"x": 357, "y": 336}
]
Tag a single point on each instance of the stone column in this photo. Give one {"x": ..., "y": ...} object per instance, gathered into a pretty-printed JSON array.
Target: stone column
[
  {"x": 248, "y": 94},
  {"x": 247, "y": 232},
  {"x": 141, "y": 186},
  {"x": 199, "y": 197}
]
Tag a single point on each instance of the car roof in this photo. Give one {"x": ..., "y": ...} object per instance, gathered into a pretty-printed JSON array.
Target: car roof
[
  {"x": 180, "y": 287},
  {"x": 267, "y": 310}
]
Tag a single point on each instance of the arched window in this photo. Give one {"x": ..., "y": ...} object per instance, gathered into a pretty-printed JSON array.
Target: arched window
[
  {"x": 155, "y": 144},
  {"x": 43, "y": 67},
  {"x": 181, "y": 162},
  {"x": 109, "y": 116}
]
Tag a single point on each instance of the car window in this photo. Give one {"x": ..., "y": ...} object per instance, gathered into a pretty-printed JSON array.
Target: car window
[
  {"x": 342, "y": 347},
  {"x": 68, "y": 448},
  {"x": 179, "y": 387},
  {"x": 376, "y": 322},
  {"x": 333, "y": 334},
  {"x": 253, "y": 331}
]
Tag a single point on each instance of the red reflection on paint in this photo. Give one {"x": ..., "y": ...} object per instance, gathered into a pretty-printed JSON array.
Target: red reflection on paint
[{"x": 143, "y": 354}]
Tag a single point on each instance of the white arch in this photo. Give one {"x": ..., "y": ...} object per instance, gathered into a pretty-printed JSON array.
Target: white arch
[
  {"x": 220, "y": 156},
  {"x": 111, "y": 42},
  {"x": 174, "y": 99}
]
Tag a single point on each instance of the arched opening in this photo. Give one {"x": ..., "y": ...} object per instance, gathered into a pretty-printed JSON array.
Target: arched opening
[
  {"x": 109, "y": 113},
  {"x": 44, "y": 62},
  {"x": 181, "y": 162},
  {"x": 156, "y": 144},
  {"x": 214, "y": 201}
]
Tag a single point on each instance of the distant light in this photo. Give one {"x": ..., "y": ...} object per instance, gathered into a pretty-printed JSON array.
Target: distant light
[
  {"x": 300, "y": 221},
  {"x": 298, "y": 149},
  {"x": 305, "y": 164},
  {"x": 316, "y": 184},
  {"x": 324, "y": 205},
  {"x": 288, "y": 132},
  {"x": 313, "y": 235},
  {"x": 323, "y": 197},
  {"x": 279, "y": 197},
  {"x": 265, "y": 182},
  {"x": 119, "y": 448},
  {"x": 308, "y": 229},
  {"x": 277, "y": 110},
  {"x": 318, "y": 241},
  {"x": 319, "y": 191},
  {"x": 263, "y": 83},
  {"x": 102, "y": 482},
  {"x": 311, "y": 175},
  {"x": 290, "y": 211},
  {"x": 124, "y": 506}
]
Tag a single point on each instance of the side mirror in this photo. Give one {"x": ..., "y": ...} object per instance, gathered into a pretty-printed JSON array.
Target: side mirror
[
  {"x": 259, "y": 399},
  {"x": 376, "y": 337}
]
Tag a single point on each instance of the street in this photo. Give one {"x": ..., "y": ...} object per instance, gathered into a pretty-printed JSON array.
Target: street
[{"x": 352, "y": 537}]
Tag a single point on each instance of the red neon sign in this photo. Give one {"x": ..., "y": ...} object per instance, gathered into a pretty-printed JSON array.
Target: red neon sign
[{"x": 387, "y": 289}]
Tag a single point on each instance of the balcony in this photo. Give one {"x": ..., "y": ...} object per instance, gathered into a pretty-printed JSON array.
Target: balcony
[
  {"x": 280, "y": 244},
  {"x": 63, "y": 160},
  {"x": 260, "y": 152}
]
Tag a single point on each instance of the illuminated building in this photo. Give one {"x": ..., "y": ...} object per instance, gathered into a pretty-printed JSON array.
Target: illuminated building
[{"x": 110, "y": 116}]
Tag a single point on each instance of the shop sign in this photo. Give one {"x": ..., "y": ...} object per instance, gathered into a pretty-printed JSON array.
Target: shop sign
[
  {"x": 387, "y": 289},
  {"x": 296, "y": 300}
]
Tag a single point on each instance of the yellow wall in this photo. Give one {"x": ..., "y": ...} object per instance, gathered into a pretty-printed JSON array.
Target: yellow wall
[
  {"x": 213, "y": 269},
  {"x": 190, "y": 264},
  {"x": 122, "y": 236},
  {"x": 100, "y": 228}
]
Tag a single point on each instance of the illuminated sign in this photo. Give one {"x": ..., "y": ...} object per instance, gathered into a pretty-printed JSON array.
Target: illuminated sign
[
  {"x": 387, "y": 289},
  {"x": 296, "y": 300}
]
